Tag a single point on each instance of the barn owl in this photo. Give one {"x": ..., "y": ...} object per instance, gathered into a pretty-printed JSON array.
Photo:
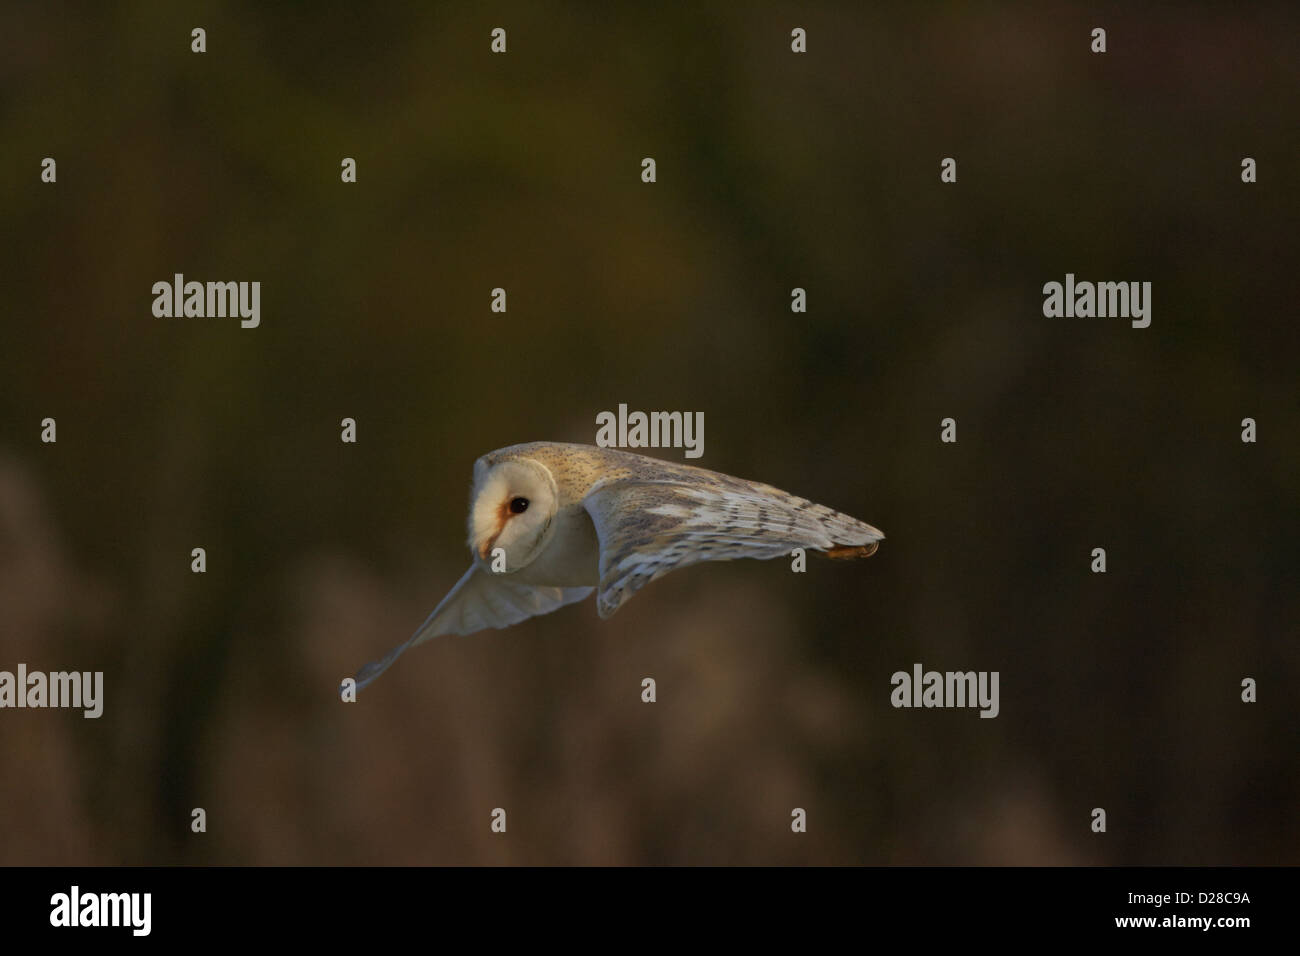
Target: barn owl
[{"x": 550, "y": 523}]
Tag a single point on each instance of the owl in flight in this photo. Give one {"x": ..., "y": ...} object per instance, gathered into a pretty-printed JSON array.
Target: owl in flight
[{"x": 550, "y": 523}]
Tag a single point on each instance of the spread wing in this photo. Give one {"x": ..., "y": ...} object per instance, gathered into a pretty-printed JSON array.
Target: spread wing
[
  {"x": 479, "y": 600},
  {"x": 648, "y": 528}
]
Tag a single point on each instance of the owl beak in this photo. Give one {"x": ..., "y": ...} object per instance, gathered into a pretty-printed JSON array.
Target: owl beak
[{"x": 502, "y": 517}]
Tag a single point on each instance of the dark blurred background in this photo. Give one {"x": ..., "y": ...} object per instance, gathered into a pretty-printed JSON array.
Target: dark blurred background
[{"x": 775, "y": 170}]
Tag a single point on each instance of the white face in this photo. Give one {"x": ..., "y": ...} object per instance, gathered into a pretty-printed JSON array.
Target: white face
[{"x": 511, "y": 508}]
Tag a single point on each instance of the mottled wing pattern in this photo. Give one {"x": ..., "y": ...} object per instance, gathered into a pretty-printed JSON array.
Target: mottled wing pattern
[
  {"x": 648, "y": 528},
  {"x": 480, "y": 600}
]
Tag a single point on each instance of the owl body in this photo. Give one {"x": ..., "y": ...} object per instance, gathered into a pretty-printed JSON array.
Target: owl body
[
  {"x": 571, "y": 558},
  {"x": 550, "y": 523}
]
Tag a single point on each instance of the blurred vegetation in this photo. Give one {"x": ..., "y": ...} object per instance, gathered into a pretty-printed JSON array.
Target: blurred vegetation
[{"x": 774, "y": 171}]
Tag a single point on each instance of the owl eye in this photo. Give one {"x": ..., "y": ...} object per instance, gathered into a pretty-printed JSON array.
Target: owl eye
[{"x": 518, "y": 505}]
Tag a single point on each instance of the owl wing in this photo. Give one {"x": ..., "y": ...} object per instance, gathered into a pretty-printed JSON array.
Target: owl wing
[
  {"x": 648, "y": 528},
  {"x": 479, "y": 600}
]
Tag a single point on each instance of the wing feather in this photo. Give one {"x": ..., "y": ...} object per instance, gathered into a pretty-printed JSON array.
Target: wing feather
[
  {"x": 648, "y": 528},
  {"x": 480, "y": 600}
]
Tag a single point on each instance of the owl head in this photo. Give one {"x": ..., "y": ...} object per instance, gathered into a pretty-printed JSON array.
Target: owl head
[{"x": 511, "y": 508}]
